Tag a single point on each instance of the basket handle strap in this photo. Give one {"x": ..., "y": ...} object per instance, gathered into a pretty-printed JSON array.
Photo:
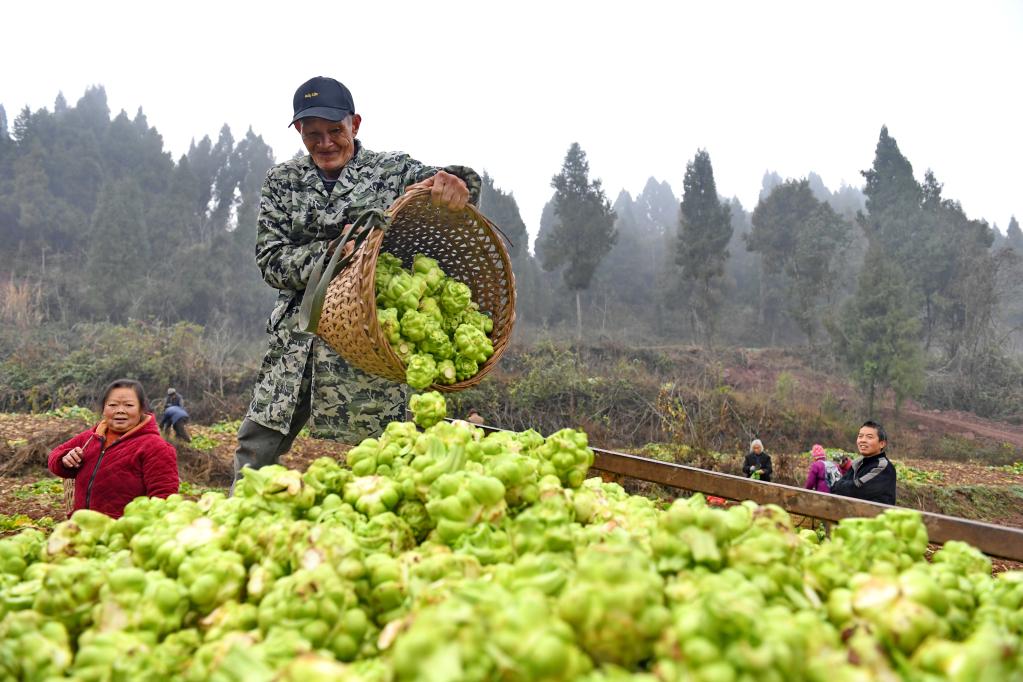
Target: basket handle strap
[{"x": 330, "y": 264}]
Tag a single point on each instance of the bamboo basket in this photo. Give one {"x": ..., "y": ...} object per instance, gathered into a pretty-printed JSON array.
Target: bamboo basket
[
  {"x": 69, "y": 495},
  {"x": 466, "y": 245}
]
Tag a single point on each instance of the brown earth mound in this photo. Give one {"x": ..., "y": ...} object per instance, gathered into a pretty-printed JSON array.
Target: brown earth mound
[{"x": 24, "y": 446}]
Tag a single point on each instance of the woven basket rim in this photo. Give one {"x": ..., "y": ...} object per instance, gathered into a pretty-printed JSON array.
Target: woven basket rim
[{"x": 367, "y": 260}]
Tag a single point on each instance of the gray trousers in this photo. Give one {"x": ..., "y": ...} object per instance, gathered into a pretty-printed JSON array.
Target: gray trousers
[{"x": 259, "y": 446}]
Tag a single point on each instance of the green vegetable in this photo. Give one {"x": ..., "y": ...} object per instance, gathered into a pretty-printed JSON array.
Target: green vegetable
[
  {"x": 275, "y": 487},
  {"x": 428, "y": 408},
  {"x": 82, "y": 535},
  {"x": 430, "y": 270},
  {"x": 140, "y": 600},
  {"x": 321, "y": 608},
  {"x": 465, "y": 368},
  {"x": 416, "y": 325},
  {"x": 475, "y": 318},
  {"x": 449, "y": 554},
  {"x": 389, "y": 325},
  {"x": 615, "y": 583},
  {"x": 566, "y": 454},
  {"x": 472, "y": 343},
  {"x": 326, "y": 476},
  {"x": 420, "y": 371},
  {"x": 372, "y": 495},
  {"x": 18, "y": 551},
  {"x": 437, "y": 344},
  {"x": 431, "y": 309},
  {"x": 404, "y": 350},
  {"x": 386, "y": 267},
  {"x": 420, "y": 313},
  {"x": 454, "y": 297},
  {"x": 398, "y": 293},
  {"x": 446, "y": 373},
  {"x": 213, "y": 577},
  {"x": 462, "y": 499},
  {"x": 33, "y": 647}
]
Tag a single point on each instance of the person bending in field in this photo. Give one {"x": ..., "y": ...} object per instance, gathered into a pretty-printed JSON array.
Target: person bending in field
[
  {"x": 872, "y": 475},
  {"x": 119, "y": 459}
]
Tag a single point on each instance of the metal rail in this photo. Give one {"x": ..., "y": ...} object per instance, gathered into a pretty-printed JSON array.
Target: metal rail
[{"x": 997, "y": 541}]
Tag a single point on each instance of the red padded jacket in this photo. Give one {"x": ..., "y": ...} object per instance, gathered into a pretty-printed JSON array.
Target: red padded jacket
[{"x": 138, "y": 463}]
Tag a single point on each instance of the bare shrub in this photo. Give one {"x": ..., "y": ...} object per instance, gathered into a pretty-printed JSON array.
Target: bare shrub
[{"x": 21, "y": 303}]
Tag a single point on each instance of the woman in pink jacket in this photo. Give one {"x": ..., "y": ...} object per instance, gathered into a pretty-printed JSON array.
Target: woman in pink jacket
[{"x": 817, "y": 478}]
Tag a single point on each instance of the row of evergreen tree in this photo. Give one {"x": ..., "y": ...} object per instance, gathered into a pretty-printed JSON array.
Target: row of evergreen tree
[
  {"x": 100, "y": 222},
  {"x": 897, "y": 276},
  {"x": 104, "y": 224}
]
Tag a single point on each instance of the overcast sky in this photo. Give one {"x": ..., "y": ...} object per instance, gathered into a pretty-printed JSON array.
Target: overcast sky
[{"x": 506, "y": 86}]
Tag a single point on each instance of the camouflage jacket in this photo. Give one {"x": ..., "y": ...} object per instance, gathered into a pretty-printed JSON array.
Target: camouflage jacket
[{"x": 297, "y": 220}]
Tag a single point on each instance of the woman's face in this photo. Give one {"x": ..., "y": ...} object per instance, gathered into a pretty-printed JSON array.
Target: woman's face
[{"x": 121, "y": 409}]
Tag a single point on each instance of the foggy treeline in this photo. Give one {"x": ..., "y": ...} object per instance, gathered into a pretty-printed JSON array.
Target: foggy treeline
[{"x": 891, "y": 282}]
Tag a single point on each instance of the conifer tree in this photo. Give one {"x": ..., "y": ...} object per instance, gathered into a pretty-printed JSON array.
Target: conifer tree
[
  {"x": 93, "y": 112},
  {"x": 1014, "y": 236},
  {"x": 503, "y": 211},
  {"x": 583, "y": 232},
  {"x": 118, "y": 253},
  {"x": 801, "y": 237},
  {"x": 877, "y": 333},
  {"x": 890, "y": 182},
  {"x": 705, "y": 228}
]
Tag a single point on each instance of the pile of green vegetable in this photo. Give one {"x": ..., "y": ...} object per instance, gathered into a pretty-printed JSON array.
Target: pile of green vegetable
[
  {"x": 431, "y": 321},
  {"x": 447, "y": 554}
]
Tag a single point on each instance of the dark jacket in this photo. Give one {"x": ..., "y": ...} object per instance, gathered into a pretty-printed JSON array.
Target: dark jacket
[
  {"x": 755, "y": 461},
  {"x": 869, "y": 478},
  {"x": 138, "y": 463}
]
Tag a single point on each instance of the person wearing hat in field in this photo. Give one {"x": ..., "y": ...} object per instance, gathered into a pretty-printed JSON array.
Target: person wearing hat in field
[
  {"x": 475, "y": 417},
  {"x": 305, "y": 203},
  {"x": 173, "y": 398}
]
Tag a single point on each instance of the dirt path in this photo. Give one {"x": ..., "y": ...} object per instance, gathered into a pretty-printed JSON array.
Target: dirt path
[{"x": 966, "y": 425}]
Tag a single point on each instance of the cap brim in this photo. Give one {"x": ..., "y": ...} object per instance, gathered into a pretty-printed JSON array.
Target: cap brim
[{"x": 328, "y": 113}]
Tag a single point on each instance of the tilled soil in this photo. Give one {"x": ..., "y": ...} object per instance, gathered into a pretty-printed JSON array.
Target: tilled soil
[{"x": 25, "y": 440}]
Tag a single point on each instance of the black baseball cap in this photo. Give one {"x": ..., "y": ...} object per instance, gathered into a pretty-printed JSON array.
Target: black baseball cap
[{"x": 323, "y": 97}]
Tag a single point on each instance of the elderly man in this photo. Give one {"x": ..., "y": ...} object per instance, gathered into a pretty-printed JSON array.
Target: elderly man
[
  {"x": 304, "y": 205},
  {"x": 872, "y": 475}
]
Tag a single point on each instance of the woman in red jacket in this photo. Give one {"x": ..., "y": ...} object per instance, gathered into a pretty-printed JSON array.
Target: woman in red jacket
[{"x": 121, "y": 458}]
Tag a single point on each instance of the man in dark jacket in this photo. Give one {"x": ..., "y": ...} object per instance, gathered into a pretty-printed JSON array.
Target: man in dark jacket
[
  {"x": 757, "y": 463},
  {"x": 872, "y": 475}
]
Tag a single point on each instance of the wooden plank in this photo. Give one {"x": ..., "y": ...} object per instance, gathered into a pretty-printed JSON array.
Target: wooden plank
[{"x": 999, "y": 541}]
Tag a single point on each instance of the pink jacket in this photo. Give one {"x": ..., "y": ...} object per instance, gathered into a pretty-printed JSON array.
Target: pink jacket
[{"x": 816, "y": 478}]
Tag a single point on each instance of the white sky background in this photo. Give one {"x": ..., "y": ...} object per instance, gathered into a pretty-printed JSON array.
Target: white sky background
[{"x": 507, "y": 86}]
